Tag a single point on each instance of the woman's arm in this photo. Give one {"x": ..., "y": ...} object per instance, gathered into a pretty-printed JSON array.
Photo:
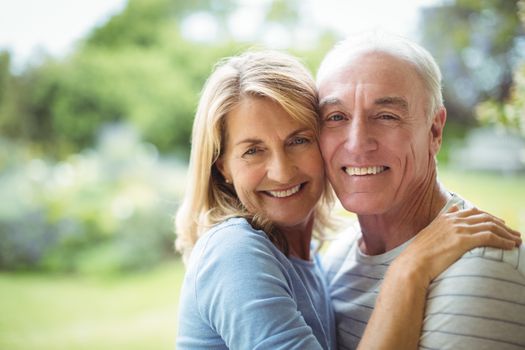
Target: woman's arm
[
  {"x": 398, "y": 314},
  {"x": 239, "y": 293}
]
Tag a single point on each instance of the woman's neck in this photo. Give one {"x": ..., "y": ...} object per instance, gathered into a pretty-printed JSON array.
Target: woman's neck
[{"x": 299, "y": 238}]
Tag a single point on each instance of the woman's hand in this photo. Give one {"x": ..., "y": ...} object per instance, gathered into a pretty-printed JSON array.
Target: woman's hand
[
  {"x": 399, "y": 308},
  {"x": 448, "y": 237}
]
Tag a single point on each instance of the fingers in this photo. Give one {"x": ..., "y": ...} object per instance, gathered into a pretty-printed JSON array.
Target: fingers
[
  {"x": 488, "y": 238},
  {"x": 474, "y": 216},
  {"x": 498, "y": 230},
  {"x": 454, "y": 233},
  {"x": 489, "y": 223},
  {"x": 474, "y": 212}
]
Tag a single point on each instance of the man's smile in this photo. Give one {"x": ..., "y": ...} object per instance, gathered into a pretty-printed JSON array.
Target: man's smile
[{"x": 360, "y": 171}]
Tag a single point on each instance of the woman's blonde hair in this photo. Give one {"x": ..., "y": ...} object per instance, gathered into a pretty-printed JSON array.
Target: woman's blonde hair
[{"x": 209, "y": 200}]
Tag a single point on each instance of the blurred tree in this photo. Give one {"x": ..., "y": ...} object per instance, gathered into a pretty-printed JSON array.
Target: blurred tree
[
  {"x": 510, "y": 113},
  {"x": 143, "y": 22},
  {"x": 138, "y": 68},
  {"x": 477, "y": 44},
  {"x": 284, "y": 12},
  {"x": 100, "y": 207}
]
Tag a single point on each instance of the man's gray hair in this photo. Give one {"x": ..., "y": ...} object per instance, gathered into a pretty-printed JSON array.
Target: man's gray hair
[{"x": 397, "y": 46}]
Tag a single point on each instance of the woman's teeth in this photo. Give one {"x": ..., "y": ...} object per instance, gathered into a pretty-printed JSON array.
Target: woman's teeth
[
  {"x": 287, "y": 193},
  {"x": 371, "y": 170}
]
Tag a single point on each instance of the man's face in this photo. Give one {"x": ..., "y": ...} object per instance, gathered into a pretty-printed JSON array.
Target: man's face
[{"x": 376, "y": 140}]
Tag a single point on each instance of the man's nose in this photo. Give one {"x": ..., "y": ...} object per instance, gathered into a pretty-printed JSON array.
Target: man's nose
[
  {"x": 360, "y": 136},
  {"x": 282, "y": 168}
]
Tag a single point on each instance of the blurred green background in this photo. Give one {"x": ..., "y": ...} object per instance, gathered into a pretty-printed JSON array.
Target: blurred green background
[{"x": 94, "y": 146}]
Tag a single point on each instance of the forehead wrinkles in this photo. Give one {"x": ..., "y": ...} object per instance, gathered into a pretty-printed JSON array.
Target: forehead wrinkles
[
  {"x": 385, "y": 82},
  {"x": 366, "y": 95}
]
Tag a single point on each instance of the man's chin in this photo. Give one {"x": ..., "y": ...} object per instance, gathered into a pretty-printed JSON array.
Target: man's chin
[{"x": 363, "y": 205}]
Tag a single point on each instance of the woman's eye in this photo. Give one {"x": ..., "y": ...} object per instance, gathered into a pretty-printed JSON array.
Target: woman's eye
[
  {"x": 299, "y": 140},
  {"x": 250, "y": 152}
]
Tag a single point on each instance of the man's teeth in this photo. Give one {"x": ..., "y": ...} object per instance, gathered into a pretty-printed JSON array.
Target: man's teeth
[
  {"x": 371, "y": 170},
  {"x": 287, "y": 193}
]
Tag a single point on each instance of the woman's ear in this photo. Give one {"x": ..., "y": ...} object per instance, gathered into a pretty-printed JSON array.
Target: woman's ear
[{"x": 219, "y": 163}]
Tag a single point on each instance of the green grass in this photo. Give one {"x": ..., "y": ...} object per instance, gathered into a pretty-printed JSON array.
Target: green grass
[
  {"x": 58, "y": 312},
  {"x": 503, "y": 196}
]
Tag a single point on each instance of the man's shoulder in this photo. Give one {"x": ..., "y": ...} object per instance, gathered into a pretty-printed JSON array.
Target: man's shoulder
[
  {"x": 488, "y": 261},
  {"x": 479, "y": 300},
  {"x": 513, "y": 258},
  {"x": 484, "y": 274}
]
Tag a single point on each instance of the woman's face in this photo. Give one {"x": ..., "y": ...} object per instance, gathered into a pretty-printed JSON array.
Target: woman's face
[{"x": 273, "y": 162}]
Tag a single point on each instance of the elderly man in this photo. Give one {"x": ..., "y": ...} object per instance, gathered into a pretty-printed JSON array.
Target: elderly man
[{"x": 383, "y": 118}]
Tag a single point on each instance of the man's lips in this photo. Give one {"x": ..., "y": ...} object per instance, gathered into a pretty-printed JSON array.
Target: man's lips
[{"x": 361, "y": 171}]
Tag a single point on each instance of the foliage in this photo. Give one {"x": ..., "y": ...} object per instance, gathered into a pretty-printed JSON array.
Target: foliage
[
  {"x": 145, "y": 23},
  {"x": 65, "y": 104},
  {"x": 135, "y": 68},
  {"x": 477, "y": 49},
  {"x": 104, "y": 210},
  {"x": 77, "y": 197},
  {"x": 511, "y": 113}
]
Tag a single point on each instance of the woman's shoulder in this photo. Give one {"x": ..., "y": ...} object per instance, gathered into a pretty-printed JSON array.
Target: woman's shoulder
[
  {"x": 233, "y": 250},
  {"x": 234, "y": 237},
  {"x": 234, "y": 230},
  {"x": 232, "y": 224}
]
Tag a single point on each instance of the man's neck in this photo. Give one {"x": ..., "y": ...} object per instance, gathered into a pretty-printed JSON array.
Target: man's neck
[{"x": 386, "y": 231}]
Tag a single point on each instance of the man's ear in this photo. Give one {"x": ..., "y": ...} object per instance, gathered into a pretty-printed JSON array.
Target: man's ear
[{"x": 436, "y": 130}]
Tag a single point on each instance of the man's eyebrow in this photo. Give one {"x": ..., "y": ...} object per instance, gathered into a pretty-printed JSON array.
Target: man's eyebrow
[
  {"x": 329, "y": 101},
  {"x": 392, "y": 101}
]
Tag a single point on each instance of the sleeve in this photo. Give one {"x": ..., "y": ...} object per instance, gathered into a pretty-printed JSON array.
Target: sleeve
[
  {"x": 478, "y": 303},
  {"x": 243, "y": 292}
]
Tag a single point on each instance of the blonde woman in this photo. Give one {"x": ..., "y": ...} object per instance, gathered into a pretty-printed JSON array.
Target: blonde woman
[{"x": 256, "y": 196}]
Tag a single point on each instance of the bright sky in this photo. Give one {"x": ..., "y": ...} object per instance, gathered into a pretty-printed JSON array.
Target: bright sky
[{"x": 53, "y": 26}]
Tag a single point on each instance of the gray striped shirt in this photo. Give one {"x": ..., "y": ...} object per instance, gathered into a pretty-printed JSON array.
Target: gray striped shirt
[{"x": 477, "y": 303}]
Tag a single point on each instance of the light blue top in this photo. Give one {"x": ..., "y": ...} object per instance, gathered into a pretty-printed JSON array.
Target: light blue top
[{"x": 241, "y": 292}]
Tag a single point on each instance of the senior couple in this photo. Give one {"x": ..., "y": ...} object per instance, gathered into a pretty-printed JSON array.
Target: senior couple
[{"x": 421, "y": 267}]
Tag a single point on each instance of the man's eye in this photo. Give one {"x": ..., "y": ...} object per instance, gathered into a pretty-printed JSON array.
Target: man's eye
[
  {"x": 335, "y": 118},
  {"x": 387, "y": 117}
]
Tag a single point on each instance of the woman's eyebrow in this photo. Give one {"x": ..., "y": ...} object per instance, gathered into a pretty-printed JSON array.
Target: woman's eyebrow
[
  {"x": 255, "y": 141},
  {"x": 252, "y": 141}
]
